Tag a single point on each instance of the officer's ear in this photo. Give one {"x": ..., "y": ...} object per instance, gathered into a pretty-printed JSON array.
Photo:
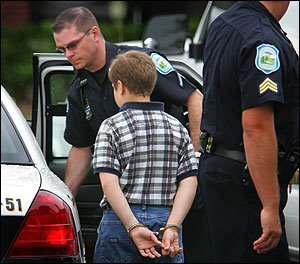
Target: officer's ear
[{"x": 95, "y": 31}]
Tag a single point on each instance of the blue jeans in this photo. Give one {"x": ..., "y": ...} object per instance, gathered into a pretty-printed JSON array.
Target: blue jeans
[{"x": 114, "y": 244}]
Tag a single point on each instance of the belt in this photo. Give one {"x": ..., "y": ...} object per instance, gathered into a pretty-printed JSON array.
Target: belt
[
  {"x": 231, "y": 154},
  {"x": 207, "y": 145}
]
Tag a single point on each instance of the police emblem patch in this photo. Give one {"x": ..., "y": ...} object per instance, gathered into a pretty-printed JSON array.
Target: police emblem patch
[
  {"x": 267, "y": 59},
  {"x": 268, "y": 84},
  {"x": 162, "y": 65}
]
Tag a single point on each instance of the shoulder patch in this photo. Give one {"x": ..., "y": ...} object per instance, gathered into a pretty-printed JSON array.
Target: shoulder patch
[
  {"x": 268, "y": 84},
  {"x": 162, "y": 65},
  {"x": 267, "y": 59}
]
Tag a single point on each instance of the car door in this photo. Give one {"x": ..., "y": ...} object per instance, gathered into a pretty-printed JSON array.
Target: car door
[{"x": 52, "y": 75}]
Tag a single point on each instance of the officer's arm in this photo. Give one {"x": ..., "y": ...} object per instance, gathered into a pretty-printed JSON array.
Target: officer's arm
[
  {"x": 78, "y": 163},
  {"x": 194, "y": 105},
  {"x": 261, "y": 153},
  {"x": 189, "y": 96}
]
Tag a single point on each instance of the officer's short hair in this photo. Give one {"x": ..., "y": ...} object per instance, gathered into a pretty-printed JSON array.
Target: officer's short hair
[
  {"x": 136, "y": 70},
  {"x": 80, "y": 17}
]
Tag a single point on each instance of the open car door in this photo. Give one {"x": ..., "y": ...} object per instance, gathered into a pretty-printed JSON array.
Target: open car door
[{"x": 53, "y": 75}]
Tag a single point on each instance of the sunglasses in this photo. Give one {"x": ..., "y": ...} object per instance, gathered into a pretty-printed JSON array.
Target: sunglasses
[{"x": 73, "y": 45}]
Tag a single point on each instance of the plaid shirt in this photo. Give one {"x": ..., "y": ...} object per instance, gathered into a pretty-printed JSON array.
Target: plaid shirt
[{"x": 148, "y": 149}]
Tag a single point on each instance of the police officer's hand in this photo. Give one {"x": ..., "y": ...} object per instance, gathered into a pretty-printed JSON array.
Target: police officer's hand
[
  {"x": 271, "y": 231},
  {"x": 171, "y": 243},
  {"x": 146, "y": 241}
]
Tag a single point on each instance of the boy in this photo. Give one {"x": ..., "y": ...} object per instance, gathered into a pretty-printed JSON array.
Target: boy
[{"x": 143, "y": 157}]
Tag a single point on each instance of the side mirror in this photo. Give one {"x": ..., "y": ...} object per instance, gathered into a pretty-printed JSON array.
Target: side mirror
[{"x": 166, "y": 34}]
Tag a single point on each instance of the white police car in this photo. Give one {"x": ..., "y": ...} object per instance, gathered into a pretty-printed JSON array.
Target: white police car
[{"x": 39, "y": 218}]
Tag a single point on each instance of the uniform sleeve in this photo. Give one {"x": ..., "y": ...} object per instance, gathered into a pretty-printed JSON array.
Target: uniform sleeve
[
  {"x": 78, "y": 131},
  {"x": 105, "y": 158},
  {"x": 260, "y": 75},
  {"x": 188, "y": 163},
  {"x": 171, "y": 86}
]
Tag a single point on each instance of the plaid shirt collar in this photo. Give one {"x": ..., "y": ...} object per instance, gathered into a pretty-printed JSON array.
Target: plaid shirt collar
[{"x": 143, "y": 106}]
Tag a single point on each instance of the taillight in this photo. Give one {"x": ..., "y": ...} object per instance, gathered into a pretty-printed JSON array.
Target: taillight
[{"x": 48, "y": 230}]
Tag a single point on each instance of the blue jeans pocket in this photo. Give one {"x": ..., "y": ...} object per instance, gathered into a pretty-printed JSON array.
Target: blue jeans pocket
[{"x": 113, "y": 243}]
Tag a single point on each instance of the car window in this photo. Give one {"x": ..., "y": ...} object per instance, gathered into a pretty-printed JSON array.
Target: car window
[
  {"x": 60, "y": 148},
  {"x": 59, "y": 86},
  {"x": 12, "y": 149}
]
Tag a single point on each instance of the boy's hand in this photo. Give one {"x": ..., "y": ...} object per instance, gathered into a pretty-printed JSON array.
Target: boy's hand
[
  {"x": 171, "y": 244},
  {"x": 146, "y": 241}
]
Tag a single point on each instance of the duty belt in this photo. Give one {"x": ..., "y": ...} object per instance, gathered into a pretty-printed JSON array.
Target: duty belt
[
  {"x": 208, "y": 146},
  {"x": 231, "y": 154}
]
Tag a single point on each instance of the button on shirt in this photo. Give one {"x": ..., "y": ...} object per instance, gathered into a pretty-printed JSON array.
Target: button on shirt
[
  {"x": 91, "y": 99},
  {"x": 148, "y": 149},
  {"x": 248, "y": 61}
]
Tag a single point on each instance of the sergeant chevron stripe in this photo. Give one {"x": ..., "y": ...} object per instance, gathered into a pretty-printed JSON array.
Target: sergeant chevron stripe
[{"x": 268, "y": 84}]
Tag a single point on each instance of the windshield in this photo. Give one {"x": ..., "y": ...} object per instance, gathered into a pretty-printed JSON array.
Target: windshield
[{"x": 12, "y": 149}]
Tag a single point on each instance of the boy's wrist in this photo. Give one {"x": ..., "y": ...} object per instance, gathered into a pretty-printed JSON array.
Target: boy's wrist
[
  {"x": 163, "y": 229},
  {"x": 177, "y": 227},
  {"x": 134, "y": 226}
]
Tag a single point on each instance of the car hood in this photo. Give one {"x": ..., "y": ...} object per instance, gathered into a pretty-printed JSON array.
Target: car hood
[{"x": 19, "y": 186}]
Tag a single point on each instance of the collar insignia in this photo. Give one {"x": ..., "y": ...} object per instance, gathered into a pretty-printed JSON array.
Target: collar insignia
[
  {"x": 267, "y": 59},
  {"x": 83, "y": 82},
  {"x": 268, "y": 84}
]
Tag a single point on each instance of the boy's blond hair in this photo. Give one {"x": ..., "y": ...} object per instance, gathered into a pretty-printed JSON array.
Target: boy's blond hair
[{"x": 136, "y": 71}]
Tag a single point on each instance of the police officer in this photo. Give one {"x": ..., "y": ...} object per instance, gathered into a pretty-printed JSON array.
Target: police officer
[
  {"x": 90, "y": 99},
  {"x": 250, "y": 114}
]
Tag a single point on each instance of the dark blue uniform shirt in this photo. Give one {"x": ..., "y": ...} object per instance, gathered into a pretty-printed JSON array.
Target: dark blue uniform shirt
[
  {"x": 91, "y": 98},
  {"x": 248, "y": 61}
]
